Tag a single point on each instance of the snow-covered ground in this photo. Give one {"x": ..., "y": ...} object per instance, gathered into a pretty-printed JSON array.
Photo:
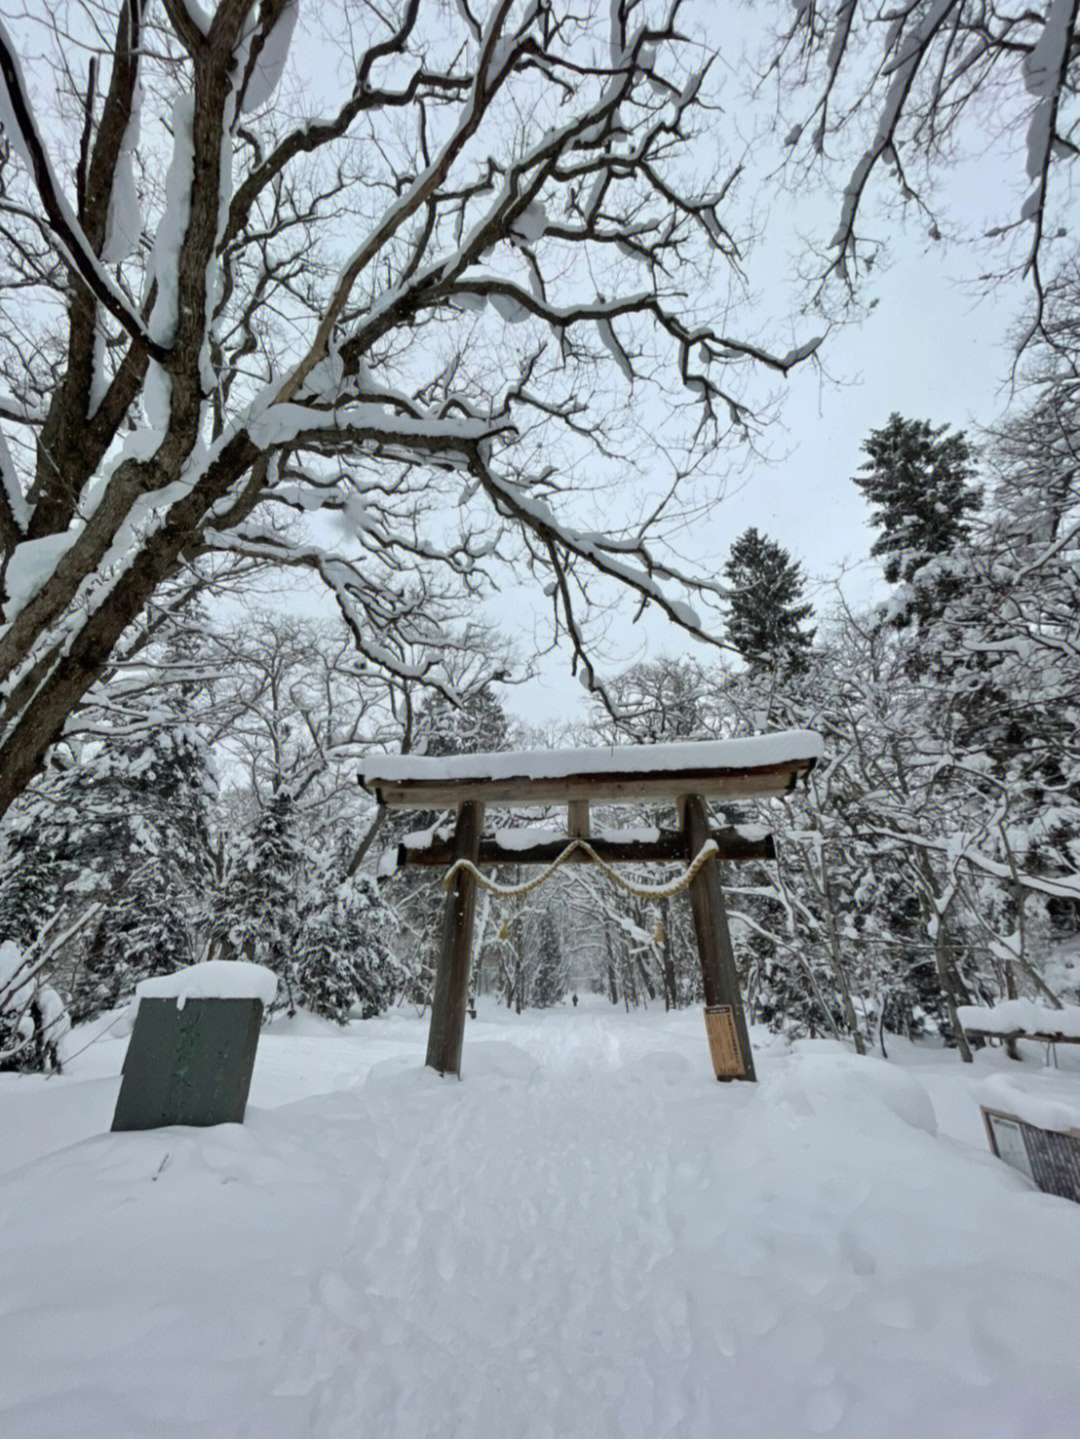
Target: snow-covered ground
[{"x": 588, "y": 1236}]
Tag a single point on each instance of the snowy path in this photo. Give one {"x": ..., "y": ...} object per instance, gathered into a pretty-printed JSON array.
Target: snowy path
[{"x": 587, "y": 1237}]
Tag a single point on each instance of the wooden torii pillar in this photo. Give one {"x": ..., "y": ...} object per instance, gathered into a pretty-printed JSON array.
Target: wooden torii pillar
[
  {"x": 725, "y": 1018},
  {"x": 450, "y": 997},
  {"x": 688, "y": 774}
]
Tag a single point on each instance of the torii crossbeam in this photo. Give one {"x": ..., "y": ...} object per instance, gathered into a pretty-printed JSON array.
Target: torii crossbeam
[{"x": 686, "y": 774}]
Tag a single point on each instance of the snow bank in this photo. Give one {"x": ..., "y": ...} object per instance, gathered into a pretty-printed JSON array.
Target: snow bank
[
  {"x": 755, "y": 752},
  {"x": 587, "y": 1238},
  {"x": 216, "y": 979},
  {"x": 1010, "y": 1015},
  {"x": 820, "y": 1075}
]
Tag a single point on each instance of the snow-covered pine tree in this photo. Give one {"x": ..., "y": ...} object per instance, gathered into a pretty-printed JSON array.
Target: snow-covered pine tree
[
  {"x": 766, "y": 623},
  {"x": 154, "y": 867},
  {"x": 283, "y": 903},
  {"x": 120, "y": 822},
  {"x": 792, "y": 995},
  {"x": 478, "y": 725},
  {"x": 1006, "y": 648},
  {"x": 919, "y": 480},
  {"x": 29, "y": 880},
  {"x": 892, "y": 813},
  {"x": 549, "y": 975},
  {"x": 344, "y": 961},
  {"x": 260, "y": 901}
]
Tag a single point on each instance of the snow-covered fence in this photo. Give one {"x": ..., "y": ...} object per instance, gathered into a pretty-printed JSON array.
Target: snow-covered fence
[{"x": 1013, "y": 1019}]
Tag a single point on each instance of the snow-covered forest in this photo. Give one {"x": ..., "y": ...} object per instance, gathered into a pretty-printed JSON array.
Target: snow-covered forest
[
  {"x": 411, "y": 373},
  {"x": 209, "y": 806},
  {"x": 325, "y": 334}
]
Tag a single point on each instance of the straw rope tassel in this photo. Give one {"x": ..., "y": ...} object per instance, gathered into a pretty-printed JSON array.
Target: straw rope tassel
[{"x": 641, "y": 891}]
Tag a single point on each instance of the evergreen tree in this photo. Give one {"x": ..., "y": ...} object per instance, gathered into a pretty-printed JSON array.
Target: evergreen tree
[
  {"x": 344, "y": 961},
  {"x": 918, "y": 478},
  {"x": 112, "y": 848},
  {"x": 132, "y": 941},
  {"x": 476, "y": 726},
  {"x": 29, "y": 887},
  {"x": 282, "y": 904},
  {"x": 794, "y": 999},
  {"x": 147, "y": 848},
  {"x": 1006, "y": 648},
  {"x": 766, "y": 623},
  {"x": 121, "y": 823},
  {"x": 260, "y": 901},
  {"x": 549, "y": 979}
]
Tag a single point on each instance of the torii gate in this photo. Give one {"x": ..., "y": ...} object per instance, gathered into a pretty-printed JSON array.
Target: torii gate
[{"x": 686, "y": 774}]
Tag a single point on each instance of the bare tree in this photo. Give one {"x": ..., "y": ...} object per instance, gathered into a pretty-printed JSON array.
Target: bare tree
[
  {"x": 410, "y": 311},
  {"x": 904, "y": 79},
  {"x": 660, "y": 701},
  {"x": 294, "y": 697}
]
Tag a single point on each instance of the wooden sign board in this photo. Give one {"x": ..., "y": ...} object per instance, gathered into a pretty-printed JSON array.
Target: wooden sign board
[
  {"x": 723, "y": 1038},
  {"x": 1049, "y": 1157},
  {"x": 190, "y": 1065}
]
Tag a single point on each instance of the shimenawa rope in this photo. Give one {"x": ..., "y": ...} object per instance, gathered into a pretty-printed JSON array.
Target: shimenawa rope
[{"x": 642, "y": 891}]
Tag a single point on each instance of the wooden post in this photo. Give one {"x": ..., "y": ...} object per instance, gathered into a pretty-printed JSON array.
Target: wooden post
[
  {"x": 577, "y": 819},
  {"x": 450, "y": 999},
  {"x": 729, "y": 1040}
]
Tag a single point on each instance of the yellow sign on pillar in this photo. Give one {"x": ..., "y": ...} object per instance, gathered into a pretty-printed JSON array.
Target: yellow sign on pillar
[{"x": 724, "y": 1041}]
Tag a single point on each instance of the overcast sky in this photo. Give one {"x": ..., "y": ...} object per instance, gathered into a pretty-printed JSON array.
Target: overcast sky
[
  {"x": 935, "y": 346},
  {"x": 931, "y": 349}
]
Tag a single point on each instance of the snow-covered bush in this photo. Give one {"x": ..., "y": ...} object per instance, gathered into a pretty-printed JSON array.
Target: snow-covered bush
[
  {"x": 345, "y": 966},
  {"x": 283, "y": 904},
  {"x": 33, "y": 1018}
]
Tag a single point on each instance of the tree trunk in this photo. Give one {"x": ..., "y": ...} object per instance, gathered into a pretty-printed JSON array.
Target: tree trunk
[
  {"x": 947, "y": 980},
  {"x": 836, "y": 959}
]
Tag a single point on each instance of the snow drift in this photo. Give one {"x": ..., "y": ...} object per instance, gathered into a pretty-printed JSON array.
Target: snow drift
[{"x": 586, "y": 1237}]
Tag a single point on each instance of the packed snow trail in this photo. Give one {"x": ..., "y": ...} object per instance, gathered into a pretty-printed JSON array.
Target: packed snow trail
[{"x": 586, "y": 1237}]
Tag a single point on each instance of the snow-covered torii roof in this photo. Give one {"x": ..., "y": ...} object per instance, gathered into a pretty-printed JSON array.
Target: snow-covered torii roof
[{"x": 751, "y": 768}]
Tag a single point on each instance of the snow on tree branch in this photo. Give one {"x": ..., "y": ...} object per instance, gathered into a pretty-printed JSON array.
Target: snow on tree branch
[
  {"x": 363, "y": 306},
  {"x": 21, "y": 130},
  {"x": 931, "y": 61}
]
